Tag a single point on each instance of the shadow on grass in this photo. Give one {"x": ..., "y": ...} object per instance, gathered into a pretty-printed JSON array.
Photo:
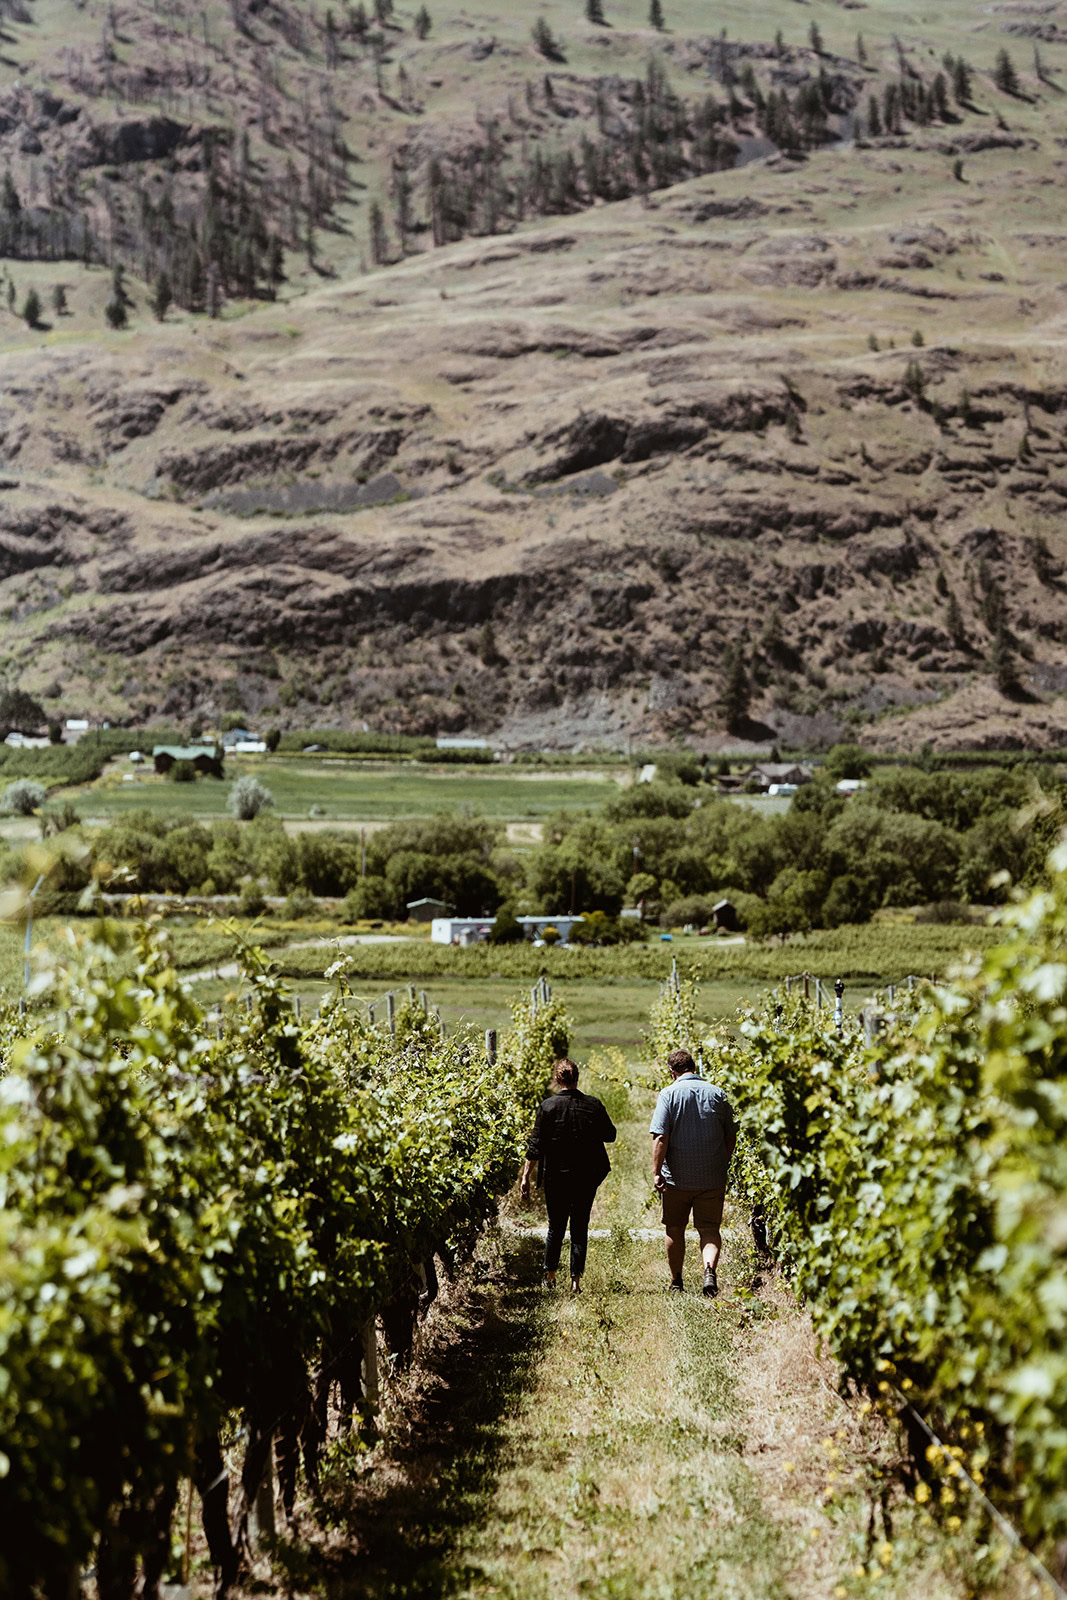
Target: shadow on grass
[{"x": 398, "y": 1528}]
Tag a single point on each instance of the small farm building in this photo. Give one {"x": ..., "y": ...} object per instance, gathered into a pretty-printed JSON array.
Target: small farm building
[
  {"x": 202, "y": 756},
  {"x": 426, "y": 910},
  {"x": 724, "y": 914}
]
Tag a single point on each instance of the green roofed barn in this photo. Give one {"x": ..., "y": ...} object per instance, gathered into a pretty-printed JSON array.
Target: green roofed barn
[{"x": 204, "y": 757}]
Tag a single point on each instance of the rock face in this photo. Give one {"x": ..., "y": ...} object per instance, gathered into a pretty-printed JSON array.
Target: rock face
[{"x": 314, "y": 512}]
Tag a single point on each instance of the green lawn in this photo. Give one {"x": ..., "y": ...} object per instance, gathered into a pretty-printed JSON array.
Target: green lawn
[{"x": 349, "y": 791}]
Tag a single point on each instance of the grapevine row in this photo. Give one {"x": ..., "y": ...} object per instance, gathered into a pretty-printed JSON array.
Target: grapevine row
[
  {"x": 915, "y": 1186},
  {"x": 195, "y": 1231}
]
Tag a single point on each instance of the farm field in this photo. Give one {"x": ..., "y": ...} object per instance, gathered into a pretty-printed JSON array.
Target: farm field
[{"x": 348, "y": 791}]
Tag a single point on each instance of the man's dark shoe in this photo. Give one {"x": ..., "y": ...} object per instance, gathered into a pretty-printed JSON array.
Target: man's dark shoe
[
  {"x": 677, "y": 1286},
  {"x": 711, "y": 1283}
]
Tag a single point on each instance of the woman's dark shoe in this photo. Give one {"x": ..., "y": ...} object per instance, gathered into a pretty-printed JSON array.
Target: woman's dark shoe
[
  {"x": 711, "y": 1283},
  {"x": 677, "y": 1286}
]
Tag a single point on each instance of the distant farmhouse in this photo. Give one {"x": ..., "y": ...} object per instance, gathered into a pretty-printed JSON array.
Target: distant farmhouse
[
  {"x": 201, "y": 756},
  {"x": 240, "y": 742},
  {"x": 775, "y": 776}
]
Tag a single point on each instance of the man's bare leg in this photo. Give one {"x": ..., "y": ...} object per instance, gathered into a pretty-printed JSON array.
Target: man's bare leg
[
  {"x": 675, "y": 1251},
  {"x": 710, "y": 1246}
]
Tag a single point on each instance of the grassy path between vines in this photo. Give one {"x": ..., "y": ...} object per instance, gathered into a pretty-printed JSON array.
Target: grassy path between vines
[{"x": 623, "y": 1444}]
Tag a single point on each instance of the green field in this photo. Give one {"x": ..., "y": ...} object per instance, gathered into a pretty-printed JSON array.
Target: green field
[{"x": 349, "y": 791}]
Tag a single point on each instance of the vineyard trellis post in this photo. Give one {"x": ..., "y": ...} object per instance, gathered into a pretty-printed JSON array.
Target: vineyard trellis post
[
  {"x": 30, "y": 898},
  {"x": 390, "y": 1011},
  {"x": 490, "y": 1046},
  {"x": 371, "y": 1393}
]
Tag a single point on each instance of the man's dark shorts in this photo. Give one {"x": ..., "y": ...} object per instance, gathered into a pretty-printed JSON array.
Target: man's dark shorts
[{"x": 705, "y": 1204}]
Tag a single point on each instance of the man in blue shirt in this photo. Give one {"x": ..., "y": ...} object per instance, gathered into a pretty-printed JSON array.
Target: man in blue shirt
[{"x": 693, "y": 1137}]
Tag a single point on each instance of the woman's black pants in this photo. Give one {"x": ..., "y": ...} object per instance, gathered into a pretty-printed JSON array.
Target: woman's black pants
[{"x": 569, "y": 1199}]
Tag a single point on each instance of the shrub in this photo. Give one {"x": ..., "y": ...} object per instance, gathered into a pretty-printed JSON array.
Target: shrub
[
  {"x": 507, "y": 929},
  {"x": 248, "y": 798},
  {"x": 250, "y": 901},
  {"x": 22, "y": 798},
  {"x": 550, "y": 935},
  {"x": 300, "y": 905},
  {"x": 182, "y": 772},
  {"x": 848, "y": 761},
  {"x": 369, "y": 900}
]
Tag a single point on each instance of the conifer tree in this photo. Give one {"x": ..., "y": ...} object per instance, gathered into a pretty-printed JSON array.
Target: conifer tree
[
  {"x": 31, "y": 309},
  {"x": 9, "y": 196},
  {"x": 815, "y": 37},
  {"x": 736, "y": 693},
  {"x": 594, "y": 12},
  {"x": 162, "y": 297},
  {"x": 59, "y": 299},
  {"x": 655, "y": 16},
  {"x": 545, "y": 40},
  {"x": 961, "y": 81},
  {"x": 423, "y": 23},
  {"x": 1003, "y": 662},
  {"x": 1004, "y": 75},
  {"x": 379, "y": 239}
]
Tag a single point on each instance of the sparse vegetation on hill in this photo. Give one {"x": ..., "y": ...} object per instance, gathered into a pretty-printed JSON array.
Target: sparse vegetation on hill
[{"x": 792, "y": 407}]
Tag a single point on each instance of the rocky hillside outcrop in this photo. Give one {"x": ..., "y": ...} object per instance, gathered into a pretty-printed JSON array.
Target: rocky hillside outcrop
[{"x": 545, "y": 485}]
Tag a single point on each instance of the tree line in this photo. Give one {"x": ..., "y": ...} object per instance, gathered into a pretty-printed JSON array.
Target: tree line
[{"x": 673, "y": 848}]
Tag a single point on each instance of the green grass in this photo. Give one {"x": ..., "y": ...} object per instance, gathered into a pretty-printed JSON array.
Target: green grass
[
  {"x": 621, "y": 1445},
  {"x": 348, "y": 791}
]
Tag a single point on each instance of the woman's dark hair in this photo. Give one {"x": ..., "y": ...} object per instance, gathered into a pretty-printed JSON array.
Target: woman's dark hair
[{"x": 565, "y": 1073}]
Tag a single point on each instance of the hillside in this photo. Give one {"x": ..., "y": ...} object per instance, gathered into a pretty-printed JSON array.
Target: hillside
[{"x": 542, "y": 482}]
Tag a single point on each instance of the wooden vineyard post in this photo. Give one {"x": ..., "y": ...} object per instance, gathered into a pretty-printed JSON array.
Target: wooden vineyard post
[
  {"x": 892, "y": 993},
  {"x": 440, "y": 1021},
  {"x": 370, "y": 1364},
  {"x": 296, "y": 1006},
  {"x": 424, "y": 997},
  {"x": 839, "y": 999},
  {"x": 390, "y": 1007},
  {"x": 490, "y": 1046},
  {"x": 411, "y": 994},
  {"x": 370, "y": 1015},
  {"x": 805, "y": 985},
  {"x": 818, "y": 994},
  {"x": 263, "y": 1524}
]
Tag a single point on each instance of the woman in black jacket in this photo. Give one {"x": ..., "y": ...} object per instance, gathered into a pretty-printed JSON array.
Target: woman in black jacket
[{"x": 568, "y": 1145}]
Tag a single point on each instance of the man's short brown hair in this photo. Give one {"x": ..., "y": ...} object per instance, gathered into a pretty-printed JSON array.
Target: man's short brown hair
[{"x": 681, "y": 1061}]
